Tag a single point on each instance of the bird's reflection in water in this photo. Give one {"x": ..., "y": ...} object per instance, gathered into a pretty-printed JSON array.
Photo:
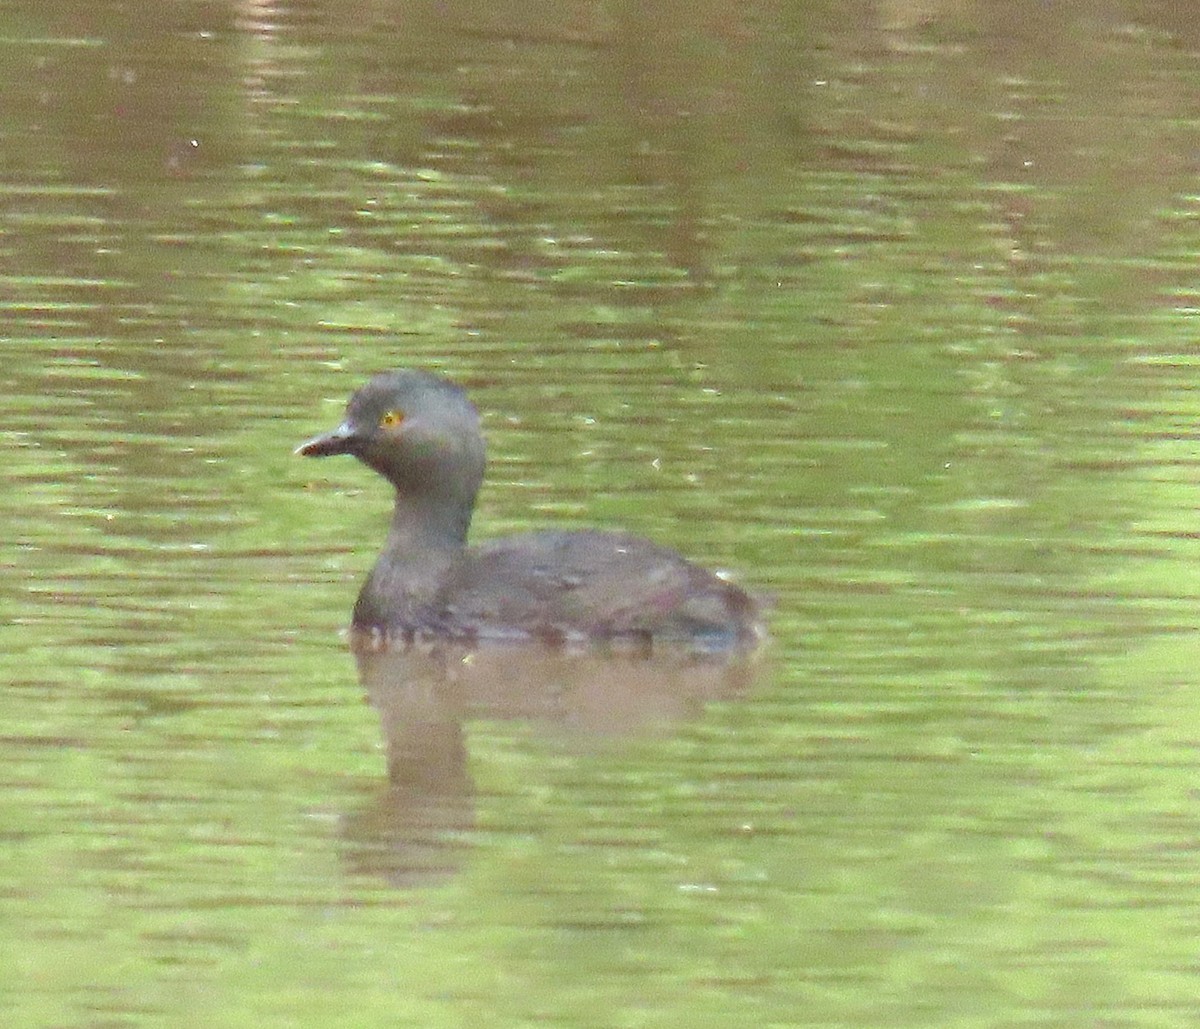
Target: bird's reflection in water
[{"x": 414, "y": 831}]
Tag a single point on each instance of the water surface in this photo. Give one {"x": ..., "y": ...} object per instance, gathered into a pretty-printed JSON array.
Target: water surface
[{"x": 888, "y": 309}]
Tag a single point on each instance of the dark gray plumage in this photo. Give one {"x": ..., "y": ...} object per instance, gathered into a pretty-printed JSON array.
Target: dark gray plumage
[{"x": 422, "y": 434}]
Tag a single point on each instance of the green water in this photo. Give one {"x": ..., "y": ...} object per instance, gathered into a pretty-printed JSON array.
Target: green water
[{"x": 890, "y": 310}]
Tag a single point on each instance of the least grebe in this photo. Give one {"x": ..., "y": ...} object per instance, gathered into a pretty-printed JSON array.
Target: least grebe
[{"x": 422, "y": 434}]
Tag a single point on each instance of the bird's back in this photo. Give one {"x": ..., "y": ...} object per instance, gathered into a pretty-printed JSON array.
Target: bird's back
[{"x": 592, "y": 585}]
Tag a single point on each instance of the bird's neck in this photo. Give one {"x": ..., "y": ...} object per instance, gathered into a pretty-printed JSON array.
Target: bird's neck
[
  {"x": 426, "y": 537},
  {"x": 427, "y": 525}
]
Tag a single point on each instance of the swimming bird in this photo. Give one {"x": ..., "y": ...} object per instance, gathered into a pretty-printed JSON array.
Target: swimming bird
[{"x": 422, "y": 434}]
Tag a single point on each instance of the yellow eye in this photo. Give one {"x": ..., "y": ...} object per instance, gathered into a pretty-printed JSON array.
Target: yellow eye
[{"x": 391, "y": 419}]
